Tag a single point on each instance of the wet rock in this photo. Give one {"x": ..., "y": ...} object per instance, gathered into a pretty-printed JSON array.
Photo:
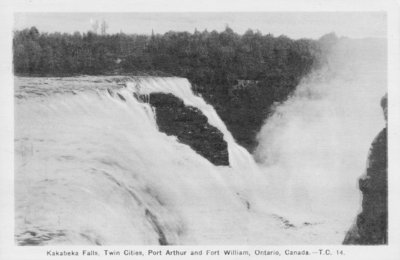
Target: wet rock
[
  {"x": 190, "y": 126},
  {"x": 371, "y": 224}
]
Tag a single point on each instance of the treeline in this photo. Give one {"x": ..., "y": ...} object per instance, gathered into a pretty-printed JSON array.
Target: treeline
[
  {"x": 241, "y": 75},
  {"x": 209, "y": 57}
]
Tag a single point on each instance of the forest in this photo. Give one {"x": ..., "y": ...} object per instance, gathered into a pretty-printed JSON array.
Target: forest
[{"x": 242, "y": 76}]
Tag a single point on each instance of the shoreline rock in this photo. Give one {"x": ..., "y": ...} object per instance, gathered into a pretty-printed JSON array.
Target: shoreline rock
[{"x": 190, "y": 126}]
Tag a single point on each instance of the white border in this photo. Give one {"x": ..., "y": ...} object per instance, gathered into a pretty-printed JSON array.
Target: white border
[{"x": 7, "y": 248}]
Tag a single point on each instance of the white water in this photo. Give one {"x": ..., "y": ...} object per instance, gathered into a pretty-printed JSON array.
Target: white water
[
  {"x": 89, "y": 167},
  {"x": 94, "y": 169},
  {"x": 314, "y": 148}
]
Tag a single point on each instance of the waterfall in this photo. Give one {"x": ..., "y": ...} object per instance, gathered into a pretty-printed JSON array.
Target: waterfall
[{"x": 92, "y": 167}]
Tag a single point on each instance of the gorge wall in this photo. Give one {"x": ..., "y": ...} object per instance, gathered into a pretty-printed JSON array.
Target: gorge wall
[{"x": 371, "y": 224}]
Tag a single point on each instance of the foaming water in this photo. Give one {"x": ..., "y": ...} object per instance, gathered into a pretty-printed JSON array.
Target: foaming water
[
  {"x": 92, "y": 168},
  {"x": 314, "y": 148}
]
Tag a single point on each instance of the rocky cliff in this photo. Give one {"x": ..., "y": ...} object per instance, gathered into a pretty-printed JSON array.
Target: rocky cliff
[
  {"x": 371, "y": 224},
  {"x": 190, "y": 126}
]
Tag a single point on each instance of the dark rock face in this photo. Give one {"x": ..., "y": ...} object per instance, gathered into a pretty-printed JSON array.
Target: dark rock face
[
  {"x": 244, "y": 106},
  {"x": 190, "y": 126},
  {"x": 371, "y": 224}
]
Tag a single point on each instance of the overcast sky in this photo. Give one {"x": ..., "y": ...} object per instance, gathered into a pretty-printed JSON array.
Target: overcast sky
[{"x": 293, "y": 24}]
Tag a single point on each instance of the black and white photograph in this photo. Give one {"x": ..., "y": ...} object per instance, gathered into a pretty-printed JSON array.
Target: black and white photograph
[{"x": 201, "y": 128}]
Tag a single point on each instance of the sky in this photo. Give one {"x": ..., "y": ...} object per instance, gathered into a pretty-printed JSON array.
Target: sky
[{"x": 292, "y": 24}]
